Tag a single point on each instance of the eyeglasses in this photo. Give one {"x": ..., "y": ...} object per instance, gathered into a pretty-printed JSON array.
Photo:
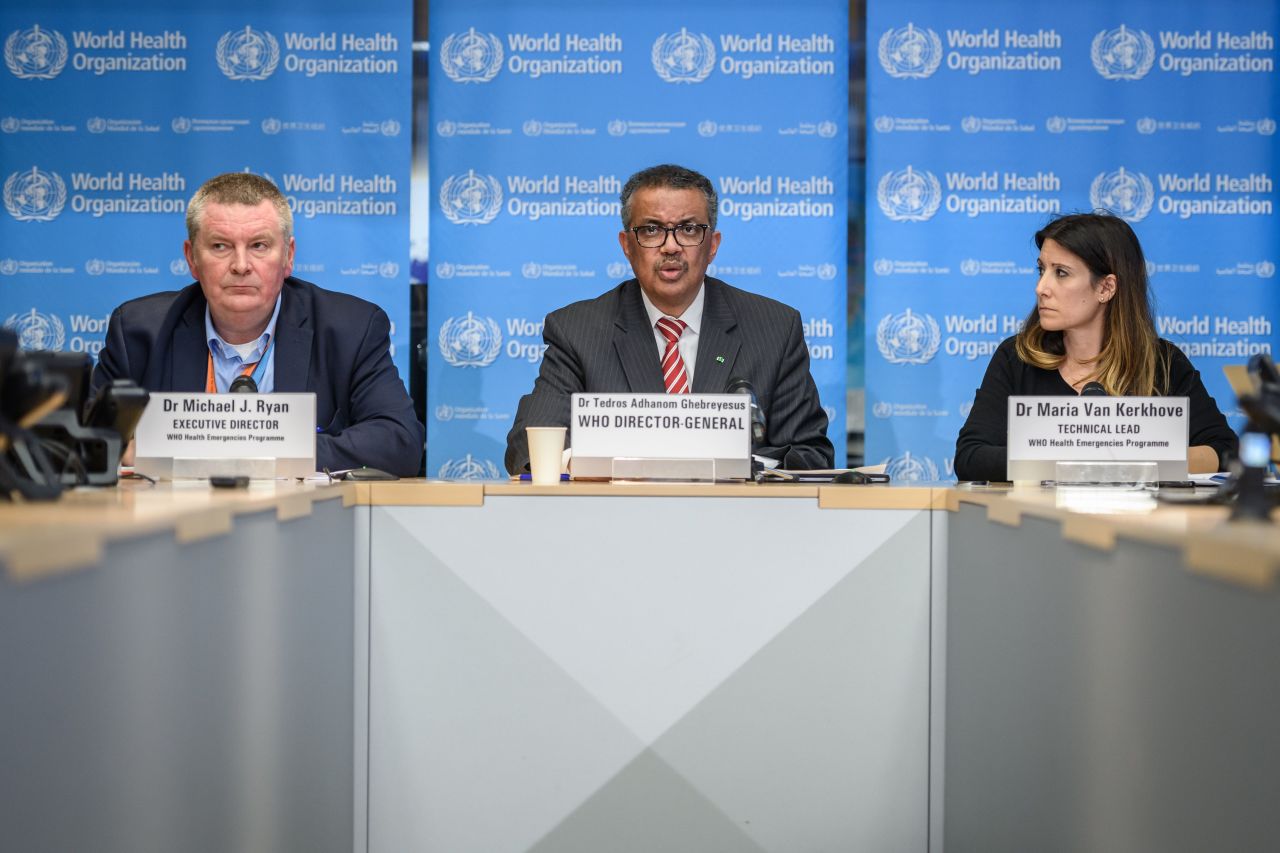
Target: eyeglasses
[{"x": 653, "y": 236}]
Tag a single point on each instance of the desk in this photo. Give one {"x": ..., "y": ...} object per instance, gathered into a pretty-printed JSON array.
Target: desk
[
  {"x": 1113, "y": 681},
  {"x": 682, "y": 668},
  {"x": 176, "y": 670}
]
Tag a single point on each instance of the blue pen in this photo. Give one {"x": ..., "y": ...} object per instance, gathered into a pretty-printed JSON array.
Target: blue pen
[{"x": 528, "y": 477}]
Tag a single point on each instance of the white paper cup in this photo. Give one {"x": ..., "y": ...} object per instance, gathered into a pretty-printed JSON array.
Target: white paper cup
[{"x": 546, "y": 450}]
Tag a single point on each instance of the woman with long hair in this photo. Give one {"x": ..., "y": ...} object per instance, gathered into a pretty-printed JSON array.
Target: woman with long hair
[{"x": 1092, "y": 322}]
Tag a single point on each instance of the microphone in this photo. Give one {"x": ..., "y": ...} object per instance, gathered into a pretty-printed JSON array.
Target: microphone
[
  {"x": 243, "y": 384},
  {"x": 1093, "y": 389},
  {"x": 742, "y": 386}
]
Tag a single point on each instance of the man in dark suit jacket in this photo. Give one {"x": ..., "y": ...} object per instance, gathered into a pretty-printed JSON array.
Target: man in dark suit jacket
[
  {"x": 240, "y": 249},
  {"x": 610, "y": 343}
]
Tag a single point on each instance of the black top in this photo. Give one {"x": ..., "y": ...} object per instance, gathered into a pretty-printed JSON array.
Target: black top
[{"x": 980, "y": 449}]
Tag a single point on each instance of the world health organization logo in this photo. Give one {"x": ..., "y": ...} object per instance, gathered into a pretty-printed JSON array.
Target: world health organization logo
[
  {"x": 444, "y": 270},
  {"x": 1127, "y": 194},
  {"x": 970, "y": 266},
  {"x": 909, "y": 469},
  {"x": 909, "y": 196},
  {"x": 1265, "y": 269},
  {"x": 1146, "y": 125},
  {"x": 826, "y": 272},
  {"x": 388, "y": 269},
  {"x": 882, "y": 266},
  {"x": 36, "y": 330},
  {"x": 532, "y": 127},
  {"x": 178, "y": 266},
  {"x": 1055, "y": 124},
  {"x": 8, "y": 266},
  {"x": 471, "y": 57},
  {"x": 1266, "y": 126},
  {"x": 910, "y": 52},
  {"x": 96, "y": 124},
  {"x": 469, "y": 468},
  {"x": 683, "y": 57},
  {"x": 181, "y": 124},
  {"x": 9, "y": 124},
  {"x": 531, "y": 270},
  {"x": 1122, "y": 53},
  {"x": 471, "y": 199},
  {"x": 908, "y": 338},
  {"x": 708, "y": 128},
  {"x": 34, "y": 196},
  {"x": 248, "y": 54},
  {"x": 470, "y": 341},
  {"x": 882, "y": 409},
  {"x": 617, "y": 269},
  {"x": 617, "y": 127},
  {"x": 827, "y": 129},
  {"x": 884, "y": 124},
  {"x": 271, "y": 126},
  {"x": 95, "y": 266},
  {"x": 35, "y": 54},
  {"x": 971, "y": 124},
  {"x": 444, "y": 412},
  {"x": 389, "y": 127}
]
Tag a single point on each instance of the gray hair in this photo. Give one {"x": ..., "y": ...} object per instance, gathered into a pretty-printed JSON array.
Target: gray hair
[
  {"x": 238, "y": 188},
  {"x": 673, "y": 177}
]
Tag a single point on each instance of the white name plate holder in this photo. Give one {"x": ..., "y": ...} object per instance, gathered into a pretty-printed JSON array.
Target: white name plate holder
[
  {"x": 699, "y": 437},
  {"x": 197, "y": 435},
  {"x": 1044, "y": 431}
]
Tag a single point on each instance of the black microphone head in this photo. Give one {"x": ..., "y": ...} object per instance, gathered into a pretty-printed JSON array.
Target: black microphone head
[
  {"x": 1261, "y": 365},
  {"x": 243, "y": 384},
  {"x": 738, "y": 385},
  {"x": 1093, "y": 389}
]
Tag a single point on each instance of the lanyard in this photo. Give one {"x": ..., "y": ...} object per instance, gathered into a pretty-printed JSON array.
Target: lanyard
[{"x": 256, "y": 368}]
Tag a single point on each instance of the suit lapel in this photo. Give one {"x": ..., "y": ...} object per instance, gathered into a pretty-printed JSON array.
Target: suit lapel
[
  {"x": 718, "y": 342},
  {"x": 190, "y": 359},
  {"x": 293, "y": 342},
  {"x": 634, "y": 342}
]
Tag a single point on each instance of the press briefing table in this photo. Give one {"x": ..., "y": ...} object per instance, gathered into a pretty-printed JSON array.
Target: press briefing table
[{"x": 464, "y": 666}]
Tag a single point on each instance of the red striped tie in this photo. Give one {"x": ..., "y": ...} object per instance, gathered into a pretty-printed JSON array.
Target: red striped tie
[{"x": 674, "y": 375}]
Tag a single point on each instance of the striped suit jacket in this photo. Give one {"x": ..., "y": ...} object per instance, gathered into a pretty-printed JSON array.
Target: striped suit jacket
[{"x": 606, "y": 344}]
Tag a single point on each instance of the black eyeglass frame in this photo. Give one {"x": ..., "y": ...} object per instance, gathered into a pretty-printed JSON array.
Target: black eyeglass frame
[{"x": 674, "y": 231}]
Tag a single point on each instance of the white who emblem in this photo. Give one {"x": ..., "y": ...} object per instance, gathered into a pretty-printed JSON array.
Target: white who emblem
[
  {"x": 181, "y": 124},
  {"x": 271, "y": 126},
  {"x": 617, "y": 269},
  {"x": 884, "y": 124},
  {"x": 910, "y": 52},
  {"x": 248, "y": 54},
  {"x": 1265, "y": 269},
  {"x": 8, "y": 267},
  {"x": 388, "y": 269},
  {"x": 826, "y": 272},
  {"x": 532, "y": 127},
  {"x": 35, "y": 54},
  {"x": 908, "y": 338},
  {"x": 471, "y": 57},
  {"x": 971, "y": 124},
  {"x": 1122, "y": 53},
  {"x": 683, "y": 57},
  {"x": 446, "y": 128},
  {"x": 882, "y": 409},
  {"x": 178, "y": 266},
  {"x": 469, "y": 468},
  {"x": 1266, "y": 126},
  {"x": 882, "y": 266},
  {"x": 707, "y": 128},
  {"x": 36, "y": 330},
  {"x": 444, "y": 412},
  {"x": 827, "y": 129},
  {"x": 1146, "y": 125},
  {"x": 617, "y": 127},
  {"x": 909, "y": 196},
  {"x": 470, "y": 341},
  {"x": 95, "y": 266},
  {"x": 1055, "y": 124},
  {"x": 471, "y": 199},
  {"x": 97, "y": 124},
  {"x": 34, "y": 196},
  {"x": 969, "y": 266},
  {"x": 910, "y": 469},
  {"x": 10, "y": 124},
  {"x": 444, "y": 269},
  {"x": 531, "y": 269},
  {"x": 1127, "y": 194},
  {"x": 389, "y": 127}
]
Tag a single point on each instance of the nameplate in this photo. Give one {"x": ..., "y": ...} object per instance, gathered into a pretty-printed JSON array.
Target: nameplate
[
  {"x": 605, "y": 427},
  {"x": 1047, "y": 430},
  {"x": 201, "y": 435}
]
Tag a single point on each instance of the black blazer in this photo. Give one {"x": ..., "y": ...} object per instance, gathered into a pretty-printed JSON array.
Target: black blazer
[
  {"x": 606, "y": 344},
  {"x": 331, "y": 343}
]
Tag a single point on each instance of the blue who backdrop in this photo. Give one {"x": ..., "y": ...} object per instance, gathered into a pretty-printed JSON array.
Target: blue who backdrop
[
  {"x": 538, "y": 114},
  {"x": 112, "y": 116},
  {"x": 985, "y": 119}
]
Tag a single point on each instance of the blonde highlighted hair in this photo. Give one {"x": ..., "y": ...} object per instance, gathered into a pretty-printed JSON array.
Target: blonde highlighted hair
[{"x": 1132, "y": 361}]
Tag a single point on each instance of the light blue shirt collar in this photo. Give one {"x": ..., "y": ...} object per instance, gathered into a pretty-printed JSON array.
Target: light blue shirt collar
[{"x": 227, "y": 361}]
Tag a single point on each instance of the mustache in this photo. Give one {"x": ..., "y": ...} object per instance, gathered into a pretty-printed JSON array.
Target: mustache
[{"x": 671, "y": 263}]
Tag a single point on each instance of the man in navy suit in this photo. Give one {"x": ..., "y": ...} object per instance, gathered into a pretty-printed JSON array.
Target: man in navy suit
[
  {"x": 615, "y": 342},
  {"x": 246, "y": 315}
]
